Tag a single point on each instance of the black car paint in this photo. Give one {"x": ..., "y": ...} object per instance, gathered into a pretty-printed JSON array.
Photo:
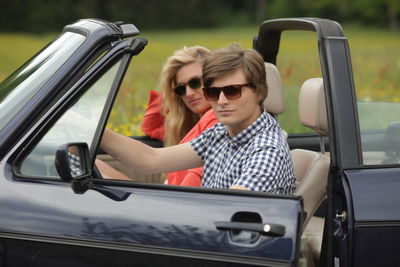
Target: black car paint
[
  {"x": 50, "y": 211},
  {"x": 376, "y": 227}
]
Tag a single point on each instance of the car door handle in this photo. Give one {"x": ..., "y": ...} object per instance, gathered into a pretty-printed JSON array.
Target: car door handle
[{"x": 268, "y": 229}]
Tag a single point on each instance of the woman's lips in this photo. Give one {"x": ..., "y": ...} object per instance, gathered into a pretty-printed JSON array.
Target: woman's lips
[{"x": 195, "y": 101}]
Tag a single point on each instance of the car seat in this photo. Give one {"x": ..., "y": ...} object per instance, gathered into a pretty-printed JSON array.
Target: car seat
[{"x": 312, "y": 168}]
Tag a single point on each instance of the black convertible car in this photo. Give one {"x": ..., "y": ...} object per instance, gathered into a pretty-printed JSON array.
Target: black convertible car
[{"x": 54, "y": 212}]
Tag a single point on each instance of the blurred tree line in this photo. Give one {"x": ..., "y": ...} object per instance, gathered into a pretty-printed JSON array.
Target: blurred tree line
[{"x": 48, "y": 15}]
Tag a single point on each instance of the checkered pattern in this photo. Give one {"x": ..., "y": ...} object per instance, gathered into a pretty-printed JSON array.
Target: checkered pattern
[
  {"x": 258, "y": 158},
  {"x": 75, "y": 165}
]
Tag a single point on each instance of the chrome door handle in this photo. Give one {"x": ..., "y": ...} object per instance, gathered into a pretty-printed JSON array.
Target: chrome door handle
[{"x": 268, "y": 229}]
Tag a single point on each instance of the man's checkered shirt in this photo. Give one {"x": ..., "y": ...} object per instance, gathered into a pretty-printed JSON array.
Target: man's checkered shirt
[{"x": 258, "y": 158}]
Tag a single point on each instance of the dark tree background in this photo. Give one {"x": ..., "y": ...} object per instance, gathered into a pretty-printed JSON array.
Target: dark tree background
[{"x": 50, "y": 15}]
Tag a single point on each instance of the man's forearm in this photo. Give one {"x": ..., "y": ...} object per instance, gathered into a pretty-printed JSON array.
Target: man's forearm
[
  {"x": 131, "y": 152},
  {"x": 146, "y": 159}
]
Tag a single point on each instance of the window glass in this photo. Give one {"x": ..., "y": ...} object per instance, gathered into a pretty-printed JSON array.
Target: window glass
[
  {"x": 78, "y": 124},
  {"x": 376, "y": 75},
  {"x": 16, "y": 90},
  {"x": 380, "y": 132}
]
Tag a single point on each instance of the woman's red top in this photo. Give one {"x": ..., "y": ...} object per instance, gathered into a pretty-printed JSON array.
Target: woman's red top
[{"x": 153, "y": 126}]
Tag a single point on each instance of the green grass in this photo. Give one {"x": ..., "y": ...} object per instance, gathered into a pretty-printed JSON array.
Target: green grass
[{"x": 375, "y": 56}]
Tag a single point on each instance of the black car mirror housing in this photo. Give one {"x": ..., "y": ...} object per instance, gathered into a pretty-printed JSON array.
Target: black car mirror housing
[{"x": 72, "y": 161}]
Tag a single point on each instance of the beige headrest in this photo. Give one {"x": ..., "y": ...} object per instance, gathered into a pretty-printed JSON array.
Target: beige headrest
[
  {"x": 275, "y": 101},
  {"x": 312, "y": 107}
]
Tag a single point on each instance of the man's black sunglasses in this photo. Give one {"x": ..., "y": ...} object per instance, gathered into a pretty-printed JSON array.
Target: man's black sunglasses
[
  {"x": 231, "y": 92},
  {"x": 194, "y": 83}
]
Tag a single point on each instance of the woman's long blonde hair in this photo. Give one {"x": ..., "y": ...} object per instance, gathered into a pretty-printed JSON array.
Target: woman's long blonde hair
[{"x": 179, "y": 118}]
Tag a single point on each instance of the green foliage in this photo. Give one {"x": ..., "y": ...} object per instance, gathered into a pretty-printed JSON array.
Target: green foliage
[
  {"x": 375, "y": 67},
  {"x": 45, "y": 15},
  {"x": 375, "y": 56},
  {"x": 278, "y": 9}
]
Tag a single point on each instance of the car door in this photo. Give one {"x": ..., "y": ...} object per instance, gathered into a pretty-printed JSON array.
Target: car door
[{"x": 48, "y": 221}]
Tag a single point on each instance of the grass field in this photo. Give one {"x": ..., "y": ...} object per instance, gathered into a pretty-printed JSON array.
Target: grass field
[{"x": 375, "y": 56}]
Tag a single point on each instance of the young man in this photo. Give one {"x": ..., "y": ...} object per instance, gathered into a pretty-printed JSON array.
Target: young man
[{"x": 245, "y": 150}]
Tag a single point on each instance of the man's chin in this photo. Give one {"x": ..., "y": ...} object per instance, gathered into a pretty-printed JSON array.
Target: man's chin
[{"x": 225, "y": 121}]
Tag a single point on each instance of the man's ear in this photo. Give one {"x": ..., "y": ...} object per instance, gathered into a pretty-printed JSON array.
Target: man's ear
[
  {"x": 260, "y": 102},
  {"x": 260, "y": 99}
]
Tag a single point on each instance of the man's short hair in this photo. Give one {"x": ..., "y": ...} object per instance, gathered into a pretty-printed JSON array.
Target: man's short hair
[{"x": 226, "y": 61}]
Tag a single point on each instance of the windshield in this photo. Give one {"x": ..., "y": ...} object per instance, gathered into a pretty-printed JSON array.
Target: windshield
[{"x": 22, "y": 85}]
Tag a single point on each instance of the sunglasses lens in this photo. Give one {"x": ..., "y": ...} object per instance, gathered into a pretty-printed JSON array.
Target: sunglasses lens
[
  {"x": 233, "y": 91},
  {"x": 195, "y": 83},
  {"x": 211, "y": 93},
  {"x": 180, "y": 90}
]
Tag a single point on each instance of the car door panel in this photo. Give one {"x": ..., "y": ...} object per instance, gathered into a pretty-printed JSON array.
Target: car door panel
[
  {"x": 376, "y": 227},
  {"x": 157, "y": 218},
  {"x": 372, "y": 200},
  {"x": 59, "y": 254}
]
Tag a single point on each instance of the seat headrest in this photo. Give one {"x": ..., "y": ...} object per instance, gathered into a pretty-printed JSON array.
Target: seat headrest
[
  {"x": 312, "y": 106},
  {"x": 275, "y": 101}
]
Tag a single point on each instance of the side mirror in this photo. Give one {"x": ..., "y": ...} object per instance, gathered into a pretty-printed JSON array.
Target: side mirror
[
  {"x": 73, "y": 165},
  {"x": 73, "y": 161}
]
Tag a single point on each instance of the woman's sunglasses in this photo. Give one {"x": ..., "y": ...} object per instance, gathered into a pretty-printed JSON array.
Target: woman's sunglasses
[
  {"x": 231, "y": 92},
  {"x": 194, "y": 83}
]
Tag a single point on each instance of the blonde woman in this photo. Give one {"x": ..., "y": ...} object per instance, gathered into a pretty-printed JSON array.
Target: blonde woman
[{"x": 181, "y": 112}]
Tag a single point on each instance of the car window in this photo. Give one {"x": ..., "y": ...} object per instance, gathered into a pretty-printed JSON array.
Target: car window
[
  {"x": 77, "y": 124},
  {"x": 380, "y": 132},
  {"x": 17, "y": 89},
  {"x": 376, "y": 76}
]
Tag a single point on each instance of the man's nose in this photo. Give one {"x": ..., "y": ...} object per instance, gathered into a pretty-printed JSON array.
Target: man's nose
[{"x": 222, "y": 100}]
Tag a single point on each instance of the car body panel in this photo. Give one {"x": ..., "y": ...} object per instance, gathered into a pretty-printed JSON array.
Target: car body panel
[
  {"x": 371, "y": 229},
  {"x": 51, "y": 209},
  {"x": 375, "y": 195}
]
